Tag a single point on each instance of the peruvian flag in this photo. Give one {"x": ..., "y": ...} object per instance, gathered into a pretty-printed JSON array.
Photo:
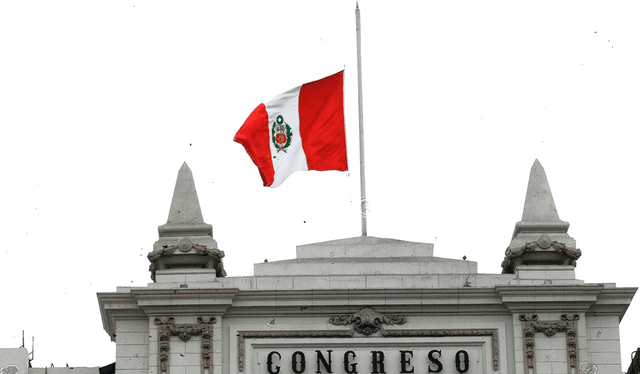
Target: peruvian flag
[{"x": 300, "y": 129}]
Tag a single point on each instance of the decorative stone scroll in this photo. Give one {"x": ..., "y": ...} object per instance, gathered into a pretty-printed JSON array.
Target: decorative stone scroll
[
  {"x": 367, "y": 321},
  {"x": 203, "y": 256},
  {"x": 167, "y": 328},
  {"x": 567, "y": 324},
  {"x": 561, "y": 254}
]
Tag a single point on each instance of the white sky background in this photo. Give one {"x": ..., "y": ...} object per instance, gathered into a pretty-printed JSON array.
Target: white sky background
[{"x": 102, "y": 101}]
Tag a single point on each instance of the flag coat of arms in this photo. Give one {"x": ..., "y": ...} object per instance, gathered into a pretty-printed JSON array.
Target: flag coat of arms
[{"x": 300, "y": 129}]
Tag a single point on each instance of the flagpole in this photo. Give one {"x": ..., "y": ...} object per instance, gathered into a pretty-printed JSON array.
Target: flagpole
[{"x": 363, "y": 195}]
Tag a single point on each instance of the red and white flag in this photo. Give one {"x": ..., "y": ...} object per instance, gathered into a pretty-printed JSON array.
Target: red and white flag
[{"x": 300, "y": 129}]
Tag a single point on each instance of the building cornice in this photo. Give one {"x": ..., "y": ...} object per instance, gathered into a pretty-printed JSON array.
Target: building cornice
[
  {"x": 613, "y": 301},
  {"x": 549, "y": 298},
  {"x": 156, "y": 302},
  {"x": 141, "y": 303},
  {"x": 465, "y": 300},
  {"x": 116, "y": 306}
]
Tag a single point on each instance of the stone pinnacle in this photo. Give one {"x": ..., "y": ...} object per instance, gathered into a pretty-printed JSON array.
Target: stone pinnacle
[
  {"x": 185, "y": 207},
  {"x": 539, "y": 205}
]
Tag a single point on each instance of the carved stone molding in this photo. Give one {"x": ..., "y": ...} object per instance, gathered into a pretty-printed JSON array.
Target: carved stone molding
[
  {"x": 242, "y": 335},
  {"x": 167, "y": 328},
  {"x": 567, "y": 324},
  {"x": 447, "y": 333},
  {"x": 367, "y": 321},
  {"x": 212, "y": 257},
  {"x": 517, "y": 256}
]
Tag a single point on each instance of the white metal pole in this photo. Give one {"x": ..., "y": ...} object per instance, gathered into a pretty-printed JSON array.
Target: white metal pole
[{"x": 363, "y": 195}]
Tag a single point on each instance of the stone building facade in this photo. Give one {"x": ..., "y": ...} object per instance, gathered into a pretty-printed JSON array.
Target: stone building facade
[{"x": 366, "y": 305}]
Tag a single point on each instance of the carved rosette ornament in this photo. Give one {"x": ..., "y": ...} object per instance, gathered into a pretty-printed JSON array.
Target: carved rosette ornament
[
  {"x": 567, "y": 324},
  {"x": 168, "y": 328},
  {"x": 587, "y": 368},
  {"x": 9, "y": 369},
  {"x": 367, "y": 321},
  {"x": 517, "y": 255}
]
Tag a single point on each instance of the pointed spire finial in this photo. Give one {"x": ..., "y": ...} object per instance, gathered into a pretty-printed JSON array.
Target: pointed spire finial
[
  {"x": 185, "y": 241},
  {"x": 540, "y": 229},
  {"x": 539, "y": 205},
  {"x": 185, "y": 206},
  {"x": 185, "y": 216},
  {"x": 539, "y": 211}
]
